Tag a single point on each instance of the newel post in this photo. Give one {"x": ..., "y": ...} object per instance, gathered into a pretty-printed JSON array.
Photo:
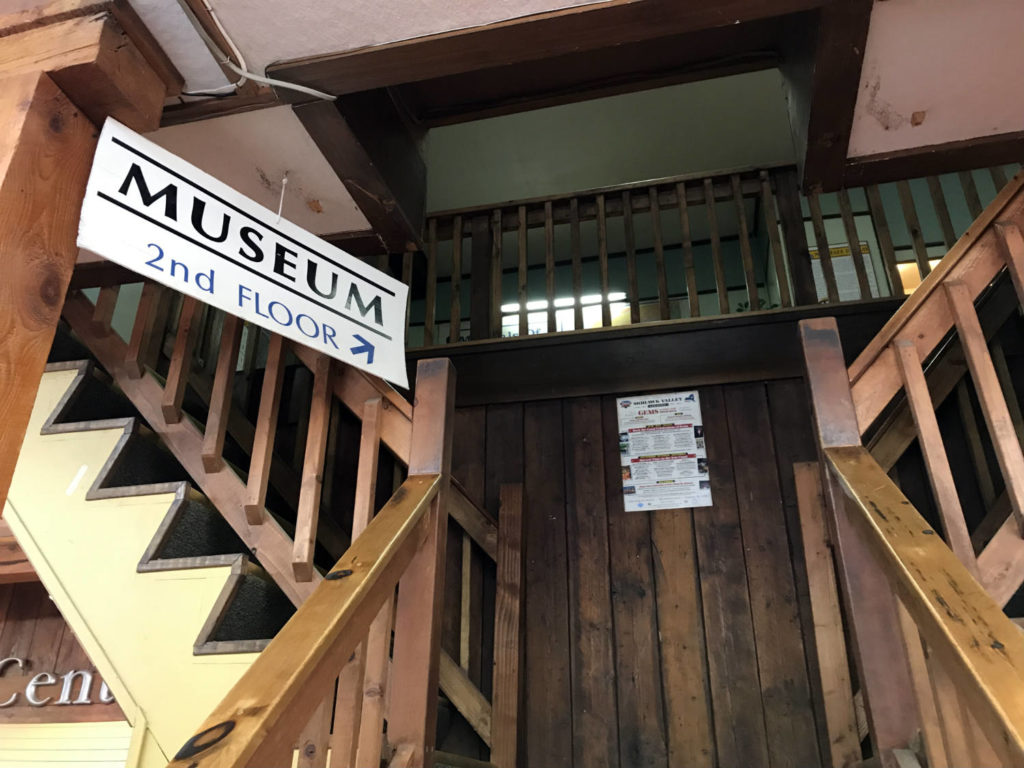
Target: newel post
[{"x": 412, "y": 719}]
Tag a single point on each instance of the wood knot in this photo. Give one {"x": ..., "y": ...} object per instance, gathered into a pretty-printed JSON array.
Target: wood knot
[
  {"x": 57, "y": 122},
  {"x": 51, "y": 288}
]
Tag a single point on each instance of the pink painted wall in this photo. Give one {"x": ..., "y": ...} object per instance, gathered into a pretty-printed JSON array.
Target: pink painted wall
[{"x": 938, "y": 71}]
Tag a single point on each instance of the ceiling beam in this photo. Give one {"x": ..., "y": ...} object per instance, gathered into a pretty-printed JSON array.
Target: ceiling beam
[
  {"x": 375, "y": 154},
  {"x": 949, "y": 157},
  {"x": 822, "y": 71},
  {"x": 528, "y": 38}
]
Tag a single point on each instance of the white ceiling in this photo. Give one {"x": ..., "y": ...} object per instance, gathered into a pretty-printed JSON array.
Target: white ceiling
[
  {"x": 251, "y": 152},
  {"x": 175, "y": 33},
  {"x": 957, "y": 64}
]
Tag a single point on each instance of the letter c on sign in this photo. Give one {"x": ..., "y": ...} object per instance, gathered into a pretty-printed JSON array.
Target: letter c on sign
[{"x": 3, "y": 665}]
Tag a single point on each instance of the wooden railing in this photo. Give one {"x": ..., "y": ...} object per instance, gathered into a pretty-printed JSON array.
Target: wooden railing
[
  {"x": 707, "y": 246},
  {"x": 942, "y": 660},
  {"x": 182, "y": 342}
]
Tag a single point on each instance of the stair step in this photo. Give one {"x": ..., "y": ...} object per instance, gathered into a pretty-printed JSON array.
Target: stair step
[
  {"x": 95, "y": 399},
  {"x": 197, "y": 529},
  {"x": 257, "y": 611},
  {"x": 143, "y": 461}
]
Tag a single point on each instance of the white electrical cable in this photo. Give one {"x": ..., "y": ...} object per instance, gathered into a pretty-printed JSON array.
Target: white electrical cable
[{"x": 239, "y": 69}]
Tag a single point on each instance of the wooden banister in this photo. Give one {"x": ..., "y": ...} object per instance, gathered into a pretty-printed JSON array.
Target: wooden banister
[{"x": 268, "y": 707}]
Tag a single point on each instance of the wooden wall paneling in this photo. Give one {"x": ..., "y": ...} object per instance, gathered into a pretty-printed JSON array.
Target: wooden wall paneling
[
  {"x": 547, "y": 729},
  {"x": 833, "y": 664},
  {"x": 638, "y": 677},
  {"x": 732, "y": 656},
  {"x": 794, "y": 443},
  {"x": 595, "y": 728},
  {"x": 789, "y": 716},
  {"x": 508, "y": 615},
  {"x": 684, "y": 665}
]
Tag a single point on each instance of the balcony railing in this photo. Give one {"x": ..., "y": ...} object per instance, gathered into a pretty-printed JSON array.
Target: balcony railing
[{"x": 708, "y": 246}]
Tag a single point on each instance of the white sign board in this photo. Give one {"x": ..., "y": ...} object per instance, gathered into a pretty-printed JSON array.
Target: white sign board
[
  {"x": 172, "y": 223},
  {"x": 661, "y": 443}
]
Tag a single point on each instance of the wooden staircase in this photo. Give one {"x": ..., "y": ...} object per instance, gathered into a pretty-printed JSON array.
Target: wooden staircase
[
  {"x": 942, "y": 666},
  {"x": 360, "y": 696}
]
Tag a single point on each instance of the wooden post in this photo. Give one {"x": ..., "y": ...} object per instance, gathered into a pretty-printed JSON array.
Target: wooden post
[
  {"x": 480, "y": 268},
  {"x": 881, "y": 657},
  {"x": 787, "y": 192},
  {"x": 46, "y": 146},
  {"x": 413, "y": 715},
  {"x": 507, "y": 629}
]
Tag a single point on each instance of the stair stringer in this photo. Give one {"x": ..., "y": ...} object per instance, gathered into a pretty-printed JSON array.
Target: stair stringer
[{"x": 138, "y": 628}]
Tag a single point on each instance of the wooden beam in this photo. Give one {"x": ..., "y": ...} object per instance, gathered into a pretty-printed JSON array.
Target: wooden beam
[
  {"x": 413, "y": 716},
  {"x": 267, "y": 708},
  {"x": 466, "y": 697},
  {"x": 473, "y": 520},
  {"x": 949, "y": 157},
  {"x": 508, "y": 621},
  {"x": 95, "y": 63},
  {"x": 364, "y": 139},
  {"x": 824, "y": 81},
  {"x": 46, "y": 148},
  {"x": 527, "y": 38},
  {"x": 978, "y": 646}
]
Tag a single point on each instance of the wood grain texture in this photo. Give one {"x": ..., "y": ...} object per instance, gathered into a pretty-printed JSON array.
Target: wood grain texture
[
  {"x": 221, "y": 394},
  {"x": 181, "y": 359},
  {"x": 739, "y": 718},
  {"x": 46, "y": 145},
  {"x": 785, "y": 691},
  {"x": 308, "y": 516},
  {"x": 508, "y": 614},
  {"x": 266, "y": 431}
]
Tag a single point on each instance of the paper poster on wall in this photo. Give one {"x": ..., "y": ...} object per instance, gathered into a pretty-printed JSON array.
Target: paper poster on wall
[{"x": 661, "y": 445}]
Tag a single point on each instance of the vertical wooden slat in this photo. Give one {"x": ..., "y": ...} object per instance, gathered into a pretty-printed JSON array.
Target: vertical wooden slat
[
  {"x": 312, "y": 470},
  {"x": 632, "y": 285},
  {"x": 659, "y": 254},
  {"x": 549, "y": 264},
  {"x": 266, "y": 429},
  {"x": 794, "y": 233},
  {"x": 954, "y": 736},
  {"x": 352, "y": 690},
  {"x": 744, "y": 238},
  {"x": 466, "y": 602},
  {"x": 1010, "y": 241},
  {"x": 931, "y": 725},
  {"x": 993, "y": 404},
  {"x": 941, "y": 210},
  {"x": 692, "y": 294},
  {"x": 507, "y": 623},
  {"x": 824, "y": 254},
  {"x": 974, "y": 446},
  {"x": 577, "y": 264},
  {"x": 998, "y": 177},
  {"x": 181, "y": 361},
  {"x": 1009, "y": 391},
  {"x": 103, "y": 313},
  {"x": 497, "y": 272},
  {"x": 142, "y": 329},
  {"x": 850, "y": 225},
  {"x": 602, "y": 257},
  {"x": 220, "y": 396},
  {"x": 524, "y": 320},
  {"x": 884, "y": 237},
  {"x": 840, "y": 718},
  {"x": 771, "y": 223},
  {"x": 413, "y": 715},
  {"x": 913, "y": 227},
  {"x": 376, "y": 686},
  {"x": 716, "y": 248},
  {"x": 935, "y": 458},
  {"x": 480, "y": 282},
  {"x": 455, "y": 294},
  {"x": 430, "y": 299},
  {"x": 970, "y": 193},
  {"x": 312, "y": 746}
]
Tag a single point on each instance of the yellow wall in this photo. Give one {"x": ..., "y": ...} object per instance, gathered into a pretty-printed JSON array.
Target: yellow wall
[
  {"x": 137, "y": 628},
  {"x": 64, "y": 745}
]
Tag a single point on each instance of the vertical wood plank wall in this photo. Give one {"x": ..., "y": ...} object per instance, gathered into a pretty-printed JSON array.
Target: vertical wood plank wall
[{"x": 657, "y": 639}]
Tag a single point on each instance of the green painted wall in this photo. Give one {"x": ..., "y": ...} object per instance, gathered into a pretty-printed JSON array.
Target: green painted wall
[{"x": 726, "y": 123}]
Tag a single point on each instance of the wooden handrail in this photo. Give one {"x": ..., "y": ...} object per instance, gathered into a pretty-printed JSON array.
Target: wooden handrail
[
  {"x": 267, "y": 708},
  {"x": 979, "y": 646}
]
